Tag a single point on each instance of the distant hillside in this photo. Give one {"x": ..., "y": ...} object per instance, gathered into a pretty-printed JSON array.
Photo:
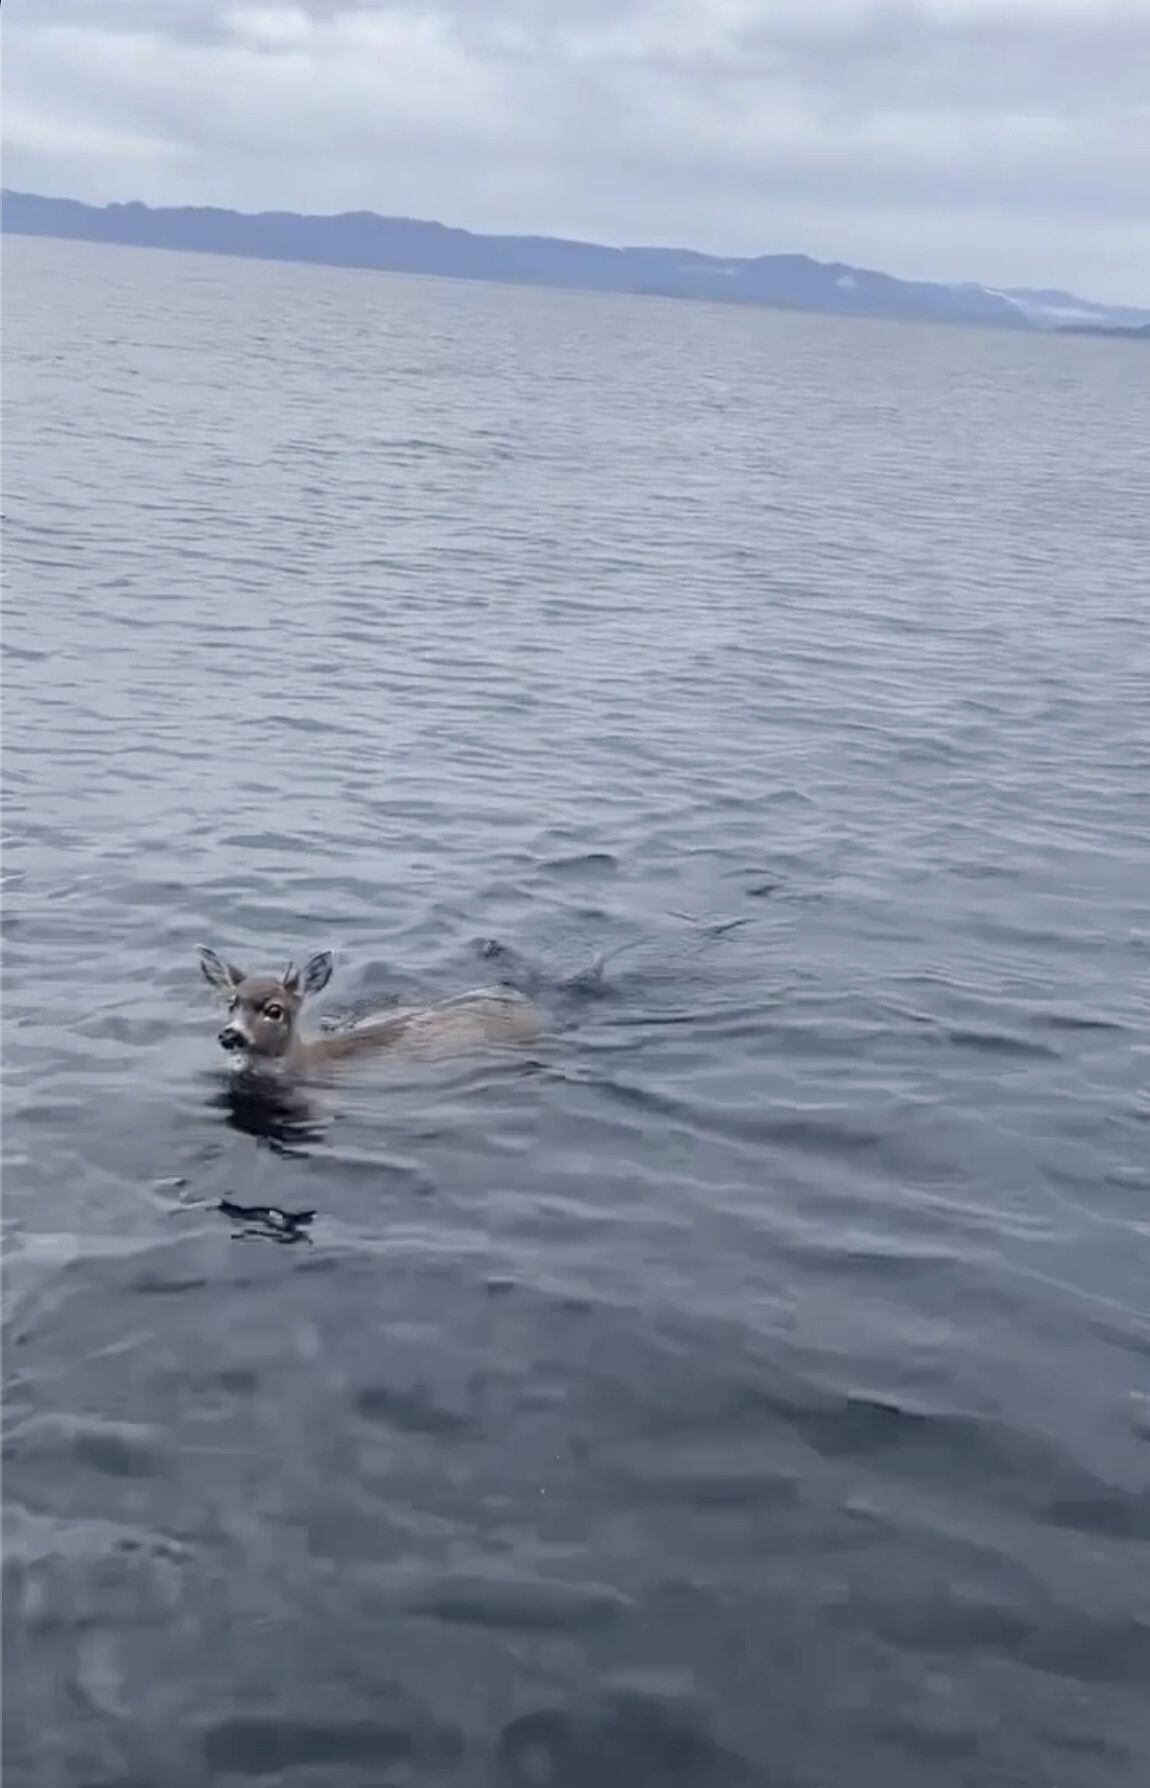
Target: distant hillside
[
  {"x": 1133, "y": 332},
  {"x": 406, "y": 245},
  {"x": 1054, "y": 309}
]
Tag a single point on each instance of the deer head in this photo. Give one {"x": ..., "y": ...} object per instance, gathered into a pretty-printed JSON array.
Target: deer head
[{"x": 263, "y": 1010}]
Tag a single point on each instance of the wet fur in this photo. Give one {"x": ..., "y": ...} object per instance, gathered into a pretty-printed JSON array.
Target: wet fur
[{"x": 483, "y": 1018}]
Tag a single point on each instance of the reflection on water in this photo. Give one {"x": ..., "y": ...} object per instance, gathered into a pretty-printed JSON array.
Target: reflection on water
[
  {"x": 749, "y": 1386},
  {"x": 268, "y": 1221},
  {"x": 270, "y": 1108}
]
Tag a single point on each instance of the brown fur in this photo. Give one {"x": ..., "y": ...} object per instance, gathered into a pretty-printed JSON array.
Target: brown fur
[{"x": 264, "y": 1010}]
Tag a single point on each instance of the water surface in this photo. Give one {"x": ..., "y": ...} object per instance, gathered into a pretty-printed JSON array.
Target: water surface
[{"x": 750, "y": 1385}]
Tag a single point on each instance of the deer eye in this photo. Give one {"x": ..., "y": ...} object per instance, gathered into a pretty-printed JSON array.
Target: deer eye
[{"x": 273, "y": 1011}]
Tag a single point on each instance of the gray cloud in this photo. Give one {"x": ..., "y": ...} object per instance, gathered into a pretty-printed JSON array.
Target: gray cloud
[{"x": 1007, "y": 140}]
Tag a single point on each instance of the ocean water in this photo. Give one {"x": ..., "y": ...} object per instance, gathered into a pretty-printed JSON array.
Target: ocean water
[{"x": 750, "y": 1384}]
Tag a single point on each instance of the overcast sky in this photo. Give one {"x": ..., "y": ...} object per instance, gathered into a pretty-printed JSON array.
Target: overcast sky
[{"x": 1001, "y": 140}]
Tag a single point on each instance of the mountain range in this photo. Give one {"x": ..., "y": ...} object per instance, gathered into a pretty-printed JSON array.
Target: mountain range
[{"x": 408, "y": 245}]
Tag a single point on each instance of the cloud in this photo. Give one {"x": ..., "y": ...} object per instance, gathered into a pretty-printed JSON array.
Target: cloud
[{"x": 1007, "y": 140}]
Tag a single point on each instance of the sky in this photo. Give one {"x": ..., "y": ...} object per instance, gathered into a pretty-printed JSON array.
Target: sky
[{"x": 1001, "y": 140}]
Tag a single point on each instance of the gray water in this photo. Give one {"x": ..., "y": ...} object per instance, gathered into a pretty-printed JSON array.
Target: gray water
[{"x": 750, "y": 1384}]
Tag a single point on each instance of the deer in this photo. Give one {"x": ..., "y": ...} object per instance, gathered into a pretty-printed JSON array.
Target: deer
[{"x": 262, "y": 1030}]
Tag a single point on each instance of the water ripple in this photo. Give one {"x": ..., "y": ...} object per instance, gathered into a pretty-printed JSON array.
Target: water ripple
[{"x": 749, "y": 1385}]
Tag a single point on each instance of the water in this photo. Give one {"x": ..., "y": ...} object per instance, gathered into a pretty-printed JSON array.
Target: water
[{"x": 748, "y": 1386}]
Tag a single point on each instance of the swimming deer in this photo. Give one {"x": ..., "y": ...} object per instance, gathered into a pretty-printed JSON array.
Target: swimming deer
[{"x": 263, "y": 1017}]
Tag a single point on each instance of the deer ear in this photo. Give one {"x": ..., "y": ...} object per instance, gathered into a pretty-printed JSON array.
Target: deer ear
[
  {"x": 314, "y": 975},
  {"x": 224, "y": 976}
]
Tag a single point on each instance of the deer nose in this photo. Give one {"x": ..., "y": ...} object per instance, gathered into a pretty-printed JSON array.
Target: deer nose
[{"x": 231, "y": 1038}]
